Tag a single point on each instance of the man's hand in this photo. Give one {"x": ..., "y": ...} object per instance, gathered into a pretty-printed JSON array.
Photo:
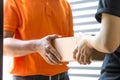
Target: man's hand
[{"x": 47, "y": 51}]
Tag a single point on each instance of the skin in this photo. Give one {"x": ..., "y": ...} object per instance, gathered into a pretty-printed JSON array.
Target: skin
[
  {"x": 107, "y": 41},
  {"x": 18, "y": 48}
]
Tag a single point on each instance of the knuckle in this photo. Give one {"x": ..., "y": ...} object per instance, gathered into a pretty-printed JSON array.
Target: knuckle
[{"x": 47, "y": 46}]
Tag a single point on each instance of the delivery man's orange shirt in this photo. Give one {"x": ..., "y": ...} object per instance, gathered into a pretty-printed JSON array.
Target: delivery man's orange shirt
[{"x": 34, "y": 19}]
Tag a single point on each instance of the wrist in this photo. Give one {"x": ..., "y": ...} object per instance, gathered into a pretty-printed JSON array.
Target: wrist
[
  {"x": 34, "y": 45},
  {"x": 89, "y": 41}
]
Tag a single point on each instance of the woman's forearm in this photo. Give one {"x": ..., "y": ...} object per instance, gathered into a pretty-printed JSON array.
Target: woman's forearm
[
  {"x": 98, "y": 44},
  {"x": 101, "y": 44},
  {"x": 108, "y": 39}
]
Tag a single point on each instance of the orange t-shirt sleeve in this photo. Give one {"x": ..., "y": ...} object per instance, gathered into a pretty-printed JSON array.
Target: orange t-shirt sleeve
[{"x": 10, "y": 16}]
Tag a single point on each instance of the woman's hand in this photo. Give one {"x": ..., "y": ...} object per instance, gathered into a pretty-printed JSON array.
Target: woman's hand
[
  {"x": 47, "y": 51},
  {"x": 83, "y": 51}
]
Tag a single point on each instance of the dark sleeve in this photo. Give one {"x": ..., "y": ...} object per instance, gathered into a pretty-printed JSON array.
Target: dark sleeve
[{"x": 108, "y": 6}]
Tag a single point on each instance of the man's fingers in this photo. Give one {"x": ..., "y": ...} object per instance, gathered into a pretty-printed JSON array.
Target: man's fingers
[
  {"x": 51, "y": 37},
  {"x": 47, "y": 60},
  {"x": 55, "y": 53},
  {"x": 51, "y": 59}
]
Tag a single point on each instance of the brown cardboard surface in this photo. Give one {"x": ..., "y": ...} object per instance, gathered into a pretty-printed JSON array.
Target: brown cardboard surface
[{"x": 65, "y": 47}]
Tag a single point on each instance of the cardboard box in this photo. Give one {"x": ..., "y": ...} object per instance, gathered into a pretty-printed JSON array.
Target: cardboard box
[{"x": 66, "y": 46}]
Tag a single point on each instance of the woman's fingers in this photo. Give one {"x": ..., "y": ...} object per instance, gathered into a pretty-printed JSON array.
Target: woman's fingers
[
  {"x": 82, "y": 56},
  {"x": 75, "y": 53}
]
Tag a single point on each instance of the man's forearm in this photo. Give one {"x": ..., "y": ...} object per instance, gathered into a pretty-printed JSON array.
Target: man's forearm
[{"x": 17, "y": 48}]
